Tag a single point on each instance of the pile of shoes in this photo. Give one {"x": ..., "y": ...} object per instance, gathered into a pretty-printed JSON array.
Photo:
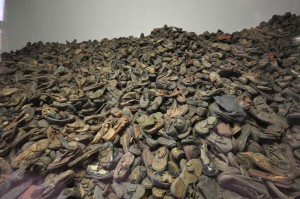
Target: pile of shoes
[{"x": 169, "y": 115}]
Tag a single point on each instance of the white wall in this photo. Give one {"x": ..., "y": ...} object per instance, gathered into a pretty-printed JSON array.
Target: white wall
[{"x": 61, "y": 20}]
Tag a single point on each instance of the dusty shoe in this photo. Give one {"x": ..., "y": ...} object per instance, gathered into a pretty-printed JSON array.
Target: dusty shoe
[
  {"x": 69, "y": 193},
  {"x": 231, "y": 109},
  {"x": 160, "y": 159},
  {"x": 209, "y": 187},
  {"x": 19, "y": 189},
  {"x": 204, "y": 126},
  {"x": 65, "y": 158},
  {"x": 98, "y": 173},
  {"x": 148, "y": 158},
  {"x": 127, "y": 190},
  {"x": 52, "y": 187},
  {"x": 32, "y": 152},
  {"x": 189, "y": 175},
  {"x": 138, "y": 174},
  {"x": 263, "y": 113},
  {"x": 243, "y": 185},
  {"x": 163, "y": 179},
  {"x": 223, "y": 129},
  {"x": 122, "y": 168},
  {"x": 223, "y": 144},
  {"x": 266, "y": 164},
  {"x": 243, "y": 137}
]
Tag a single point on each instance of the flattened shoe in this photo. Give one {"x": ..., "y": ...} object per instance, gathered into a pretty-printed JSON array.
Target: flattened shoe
[
  {"x": 148, "y": 158},
  {"x": 106, "y": 154},
  {"x": 52, "y": 187},
  {"x": 263, "y": 113},
  {"x": 203, "y": 127},
  {"x": 221, "y": 143},
  {"x": 98, "y": 173},
  {"x": 243, "y": 137},
  {"x": 127, "y": 190},
  {"x": 66, "y": 158},
  {"x": 266, "y": 164},
  {"x": 19, "y": 189},
  {"x": 122, "y": 169},
  {"x": 163, "y": 179},
  {"x": 243, "y": 185},
  {"x": 209, "y": 187},
  {"x": 32, "y": 152},
  {"x": 270, "y": 177},
  {"x": 69, "y": 193},
  {"x": 190, "y": 174},
  {"x": 160, "y": 159},
  {"x": 111, "y": 134},
  {"x": 232, "y": 109},
  {"x": 86, "y": 155},
  {"x": 138, "y": 174},
  {"x": 177, "y": 111}
]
